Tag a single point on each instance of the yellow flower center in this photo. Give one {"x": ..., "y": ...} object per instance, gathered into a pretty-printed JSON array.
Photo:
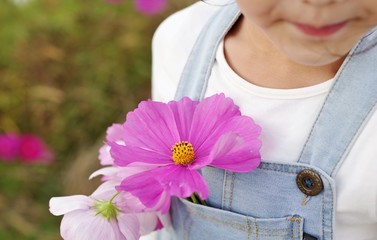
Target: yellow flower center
[{"x": 183, "y": 153}]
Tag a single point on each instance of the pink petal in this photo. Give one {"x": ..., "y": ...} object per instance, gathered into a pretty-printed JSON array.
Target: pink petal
[
  {"x": 119, "y": 173},
  {"x": 164, "y": 219},
  {"x": 231, "y": 153},
  {"x": 183, "y": 111},
  {"x": 159, "y": 226},
  {"x": 105, "y": 191},
  {"x": 115, "y": 133},
  {"x": 96, "y": 227},
  {"x": 125, "y": 155},
  {"x": 152, "y": 127},
  {"x": 123, "y": 200},
  {"x": 144, "y": 187},
  {"x": 86, "y": 225},
  {"x": 129, "y": 203},
  {"x": 200, "y": 162},
  {"x": 107, "y": 171},
  {"x": 183, "y": 182},
  {"x": 175, "y": 180},
  {"x": 163, "y": 205},
  {"x": 148, "y": 222},
  {"x": 129, "y": 226},
  {"x": 63, "y": 205},
  {"x": 116, "y": 229},
  {"x": 104, "y": 155},
  {"x": 71, "y": 222},
  {"x": 242, "y": 125},
  {"x": 246, "y": 128},
  {"x": 209, "y": 114},
  {"x": 150, "y": 7}
]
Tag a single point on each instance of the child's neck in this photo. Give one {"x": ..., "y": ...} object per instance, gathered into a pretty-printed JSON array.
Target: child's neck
[{"x": 260, "y": 63}]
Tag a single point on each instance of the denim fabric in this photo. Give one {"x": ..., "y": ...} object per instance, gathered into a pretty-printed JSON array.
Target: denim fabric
[
  {"x": 266, "y": 204},
  {"x": 348, "y": 105}
]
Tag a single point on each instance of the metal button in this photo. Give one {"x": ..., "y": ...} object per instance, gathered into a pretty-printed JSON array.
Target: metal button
[{"x": 309, "y": 182}]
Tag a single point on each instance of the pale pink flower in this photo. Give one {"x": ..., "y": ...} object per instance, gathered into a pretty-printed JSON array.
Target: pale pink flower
[
  {"x": 114, "y": 133},
  {"x": 115, "y": 174},
  {"x": 104, "y": 215}
]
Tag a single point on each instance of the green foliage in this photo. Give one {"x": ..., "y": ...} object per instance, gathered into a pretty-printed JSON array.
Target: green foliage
[{"x": 68, "y": 69}]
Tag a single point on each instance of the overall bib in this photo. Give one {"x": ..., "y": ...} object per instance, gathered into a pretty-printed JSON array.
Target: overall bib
[{"x": 278, "y": 200}]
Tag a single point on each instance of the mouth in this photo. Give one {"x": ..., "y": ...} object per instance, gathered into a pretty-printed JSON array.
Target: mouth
[{"x": 323, "y": 31}]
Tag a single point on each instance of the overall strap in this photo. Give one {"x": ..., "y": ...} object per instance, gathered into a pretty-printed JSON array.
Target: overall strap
[
  {"x": 195, "y": 75},
  {"x": 349, "y": 104}
]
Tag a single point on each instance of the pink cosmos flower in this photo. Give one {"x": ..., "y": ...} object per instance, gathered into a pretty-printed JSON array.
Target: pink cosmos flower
[
  {"x": 104, "y": 215},
  {"x": 114, "y": 133},
  {"x": 32, "y": 149},
  {"x": 177, "y": 139},
  {"x": 150, "y": 7},
  {"x": 9, "y": 146},
  {"x": 147, "y": 7},
  {"x": 28, "y": 148}
]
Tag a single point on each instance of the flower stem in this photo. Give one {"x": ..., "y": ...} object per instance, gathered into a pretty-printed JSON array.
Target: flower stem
[
  {"x": 114, "y": 196},
  {"x": 200, "y": 200},
  {"x": 195, "y": 198}
]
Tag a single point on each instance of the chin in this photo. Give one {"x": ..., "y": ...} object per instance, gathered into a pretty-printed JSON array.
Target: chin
[{"x": 314, "y": 59}]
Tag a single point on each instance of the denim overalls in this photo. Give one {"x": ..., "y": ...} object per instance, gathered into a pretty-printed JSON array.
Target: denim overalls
[{"x": 278, "y": 200}]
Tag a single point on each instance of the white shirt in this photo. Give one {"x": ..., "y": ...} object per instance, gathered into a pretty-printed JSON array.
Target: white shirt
[{"x": 285, "y": 115}]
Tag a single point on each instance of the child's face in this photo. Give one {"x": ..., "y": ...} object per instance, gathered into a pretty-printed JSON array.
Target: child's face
[{"x": 311, "y": 32}]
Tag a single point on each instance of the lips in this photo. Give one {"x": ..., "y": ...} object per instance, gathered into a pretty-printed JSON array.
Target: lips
[{"x": 323, "y": 31}]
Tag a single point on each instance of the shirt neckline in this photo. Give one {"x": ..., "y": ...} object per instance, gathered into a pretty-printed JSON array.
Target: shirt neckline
[{"x": 274, "y": 93}]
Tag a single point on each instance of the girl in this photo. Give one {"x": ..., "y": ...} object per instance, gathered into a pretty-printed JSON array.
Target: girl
[{"x": 305, "y": 70}]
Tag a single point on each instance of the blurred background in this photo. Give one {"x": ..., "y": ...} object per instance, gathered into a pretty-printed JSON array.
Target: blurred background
[{"x": 68, "y": 70}]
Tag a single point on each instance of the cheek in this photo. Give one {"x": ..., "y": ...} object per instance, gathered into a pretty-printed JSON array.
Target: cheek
[{"x": 370, "y": 4}]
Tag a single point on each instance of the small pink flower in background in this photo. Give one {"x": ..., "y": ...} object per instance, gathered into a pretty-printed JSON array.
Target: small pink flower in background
[
  {"x": 32, "y": 149},
  {"x": 9, "y": 146},
  {"x": 177, "y": 139},
  {"x": 105, "y": 214},
  {"x": 27, "y": 148},
  {"x": 150, "y": 7}
]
